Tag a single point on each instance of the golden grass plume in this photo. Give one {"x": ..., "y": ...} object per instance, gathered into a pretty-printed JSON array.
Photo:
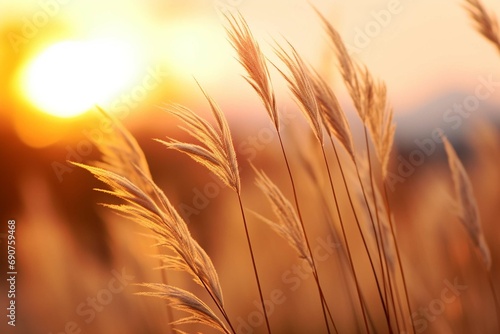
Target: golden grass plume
[
  {"x": 288, "y": 225},
  {"x": 466, "y": 205},
  {"x": 368, "y": 95},
  {"x": 183, "y": 300},
  {"x": 486, "y": 23},
  {"x": 332, "y": 113},
  {"x": 218, "y": 153},
  {"x": 254, "y": 62},
  {"x": 146, "y": 204},
  {"x": 302, "y": 88}
]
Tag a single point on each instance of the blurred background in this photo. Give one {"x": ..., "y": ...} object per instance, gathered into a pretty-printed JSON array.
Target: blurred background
[{"x": 61, "y": 58}]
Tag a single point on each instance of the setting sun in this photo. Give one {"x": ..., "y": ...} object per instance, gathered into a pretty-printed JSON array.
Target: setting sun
[{"x": 68, "y": 78}]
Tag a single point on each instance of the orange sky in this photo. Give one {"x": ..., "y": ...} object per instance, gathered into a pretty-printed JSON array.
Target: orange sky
[{"x": 427, "y": 47}]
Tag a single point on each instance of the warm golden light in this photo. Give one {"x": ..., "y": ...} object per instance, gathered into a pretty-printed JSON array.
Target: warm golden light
[
  {"x": 196, "y": 50},
  {"x": 68, "y": 78}
]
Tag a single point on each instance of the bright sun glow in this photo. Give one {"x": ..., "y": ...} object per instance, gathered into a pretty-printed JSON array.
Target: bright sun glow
[
  {"x": 195, "y": 50},
  {"x": 68, "y": 78}
]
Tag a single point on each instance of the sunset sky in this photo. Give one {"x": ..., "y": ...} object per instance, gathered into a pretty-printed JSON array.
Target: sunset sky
[
  {"x": 64, "y": 62},
  {"x": 422, "y": 49}
]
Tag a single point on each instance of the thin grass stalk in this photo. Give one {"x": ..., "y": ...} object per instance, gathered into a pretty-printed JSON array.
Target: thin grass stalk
[
  {"x": 491, "y": 283},
  {"x": 360, "y": 232},
  {"x": 396, "y": 307},
  {"x": 216, "y": 300},
  {"x": 218, "y": 155},
  {"x": 302, "y": 85},
  {"x": 336, "y": 124},
  {"x": 494, "y": 294},
  {"x": 324, "y": 303},
  {"x": 254, "y": 265},
  {"x": 157, "y": 214},
  {"x": 170, "y": 316},
  {"x": 342, "y": 256},
  {"x": 324, "y": 307},
  {"x": 184, "y": 300},
  {"x": 400, "y": 305},
  {"x": 344, "y": 260},
  {"x": 345, "y": 236},
  {"x": 299, "y": 213},
  {"x": 398, "y": 255},
  {"x": 378, "y": 230},
  {"x": 125, "y": 170},
  {"x": 372, "y": 221},
  {"x": 220, "y": 307},
  {"x": 382, "y": 246},
  {"x": 359, "y": 227},
  {"x": 363, "y": 191},
  {"x": 369, "y": 98},
  {"x": 255, "y": 64},
  {"x": 116, "y": 160},
  {"x": 468, "y": 212}
]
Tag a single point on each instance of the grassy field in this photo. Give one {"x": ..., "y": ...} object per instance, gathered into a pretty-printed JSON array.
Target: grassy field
[{"x": 318, "y": 223}]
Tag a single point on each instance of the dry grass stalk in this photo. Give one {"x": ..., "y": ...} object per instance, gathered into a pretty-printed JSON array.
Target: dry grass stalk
[
  {"x": 384, "y": 246},
  {"x": 311, "y": 93},
  {"x": 161, "y": 218},
  {"x": 146, "y": 204},
  {"x": 466, "y": 205},
  {"x": 185, "y": 301},
  {"x": 253, "y": 60},
  {"x": 302, "y": 88},
  {"x": 124, "y": 168},
  {"x": 370, "y": 100},
  {"x": 122, "y": 154},
  {"x": 343, "y": 256},
  {"x": 369, "y": 97},
  {"x": 218, "y": 153},
  {"x": 468, "y": 214},
  {"x": 332, "y": 114},
  {"x": 380, "y": 121},
  {"x": 486, "y": 23},
  {"x": 373, "y": 201},
  {"x": 348, "y": 69},
  {"x": 288, "y": 225},
  {"x": 290, "y": 228},
  {"x": 218, "y": 156},
  {"x": 334, "y": 119}
]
